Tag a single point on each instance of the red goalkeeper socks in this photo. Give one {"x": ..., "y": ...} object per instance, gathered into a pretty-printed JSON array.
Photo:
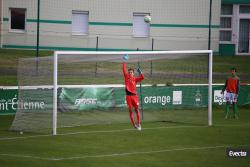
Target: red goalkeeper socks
[
  {"x": 131, "y": 115},
  {"x": 138, "y": 115}
]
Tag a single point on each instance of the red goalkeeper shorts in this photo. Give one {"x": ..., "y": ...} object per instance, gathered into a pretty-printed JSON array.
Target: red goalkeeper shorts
[{"x": 132, "y": 101}]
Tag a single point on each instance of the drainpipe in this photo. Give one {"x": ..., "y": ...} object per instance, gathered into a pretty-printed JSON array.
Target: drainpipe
[{"x": 210, "y": 24}]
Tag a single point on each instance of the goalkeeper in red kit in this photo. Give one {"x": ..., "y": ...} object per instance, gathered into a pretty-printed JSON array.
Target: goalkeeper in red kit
[
  {"x": 232, "y": 87},
  {"x": 130, "y": 89}
]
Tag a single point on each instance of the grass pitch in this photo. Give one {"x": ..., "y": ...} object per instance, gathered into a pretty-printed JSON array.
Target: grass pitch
[{"x": 158, "y": 144}]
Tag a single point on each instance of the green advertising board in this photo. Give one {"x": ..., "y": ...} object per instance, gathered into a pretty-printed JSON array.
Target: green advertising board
[
  {"x": 151, "y": 97},
  {"x": 85, "y": 98},
  {"x": 167, "y": 97},
  {"x": 8, "y": 101},
  {"x": 243, "y": 98}
]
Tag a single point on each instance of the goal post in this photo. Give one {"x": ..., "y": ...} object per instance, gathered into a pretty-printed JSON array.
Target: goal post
[
  {"x": 58, "y": 53},
  {"x": 71, "y": 89},
  {"x": 55, "y": 84},
  {"x": 210, "y": 87}
]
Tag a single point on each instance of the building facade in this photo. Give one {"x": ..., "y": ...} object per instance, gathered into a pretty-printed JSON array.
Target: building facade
[
  {"x": 235, "y": 27},
  {"x": 1, "y": 22},
  {"x": 111, "y": 24}
]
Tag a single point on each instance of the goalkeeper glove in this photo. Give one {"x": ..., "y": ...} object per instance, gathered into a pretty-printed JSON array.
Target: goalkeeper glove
[
  {"x": 125, "y": 57},
  {"x": 139, "y": 71}
]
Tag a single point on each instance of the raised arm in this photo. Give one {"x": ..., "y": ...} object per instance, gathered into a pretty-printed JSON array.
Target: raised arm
[
  {"x": 124, "y": 68},
  {"x": 141, "y": 75},
  {"x": 140, "y": 78}
]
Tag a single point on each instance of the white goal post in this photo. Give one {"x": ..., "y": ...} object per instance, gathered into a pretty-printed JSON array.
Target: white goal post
[{"x": 58, "y": 53}]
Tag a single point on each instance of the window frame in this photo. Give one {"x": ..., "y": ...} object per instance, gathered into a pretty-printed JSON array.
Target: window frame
[
  {"x": 231, "y": 18},
  {"x": 148, "y": 25},
  {"x": 87, "y": 24},
  {"x": 224, "y": 41},
  {"x": 25, "y": 22},
  {"x": 243, "y": 13},
  {"x": 224, "y": 5},
  {"x": 227, "y": 29}
]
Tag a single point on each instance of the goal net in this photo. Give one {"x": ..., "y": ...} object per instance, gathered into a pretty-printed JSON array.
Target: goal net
[{"x": 70, "y": 89}]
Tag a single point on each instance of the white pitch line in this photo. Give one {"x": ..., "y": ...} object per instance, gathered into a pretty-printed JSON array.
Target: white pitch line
[
  {"x": 100, "y": 131},
  {"x": 25, "y": 156},
  {"x": 149, "y": 152},
  {"x": 122, "y": 130},
  {"x": 125, "y": 153}
]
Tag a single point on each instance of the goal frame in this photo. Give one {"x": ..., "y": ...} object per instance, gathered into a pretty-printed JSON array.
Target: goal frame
[{"x": 55, "y": 74}]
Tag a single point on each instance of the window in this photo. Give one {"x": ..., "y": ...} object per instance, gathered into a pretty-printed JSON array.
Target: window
[
  {"x": 244, "y": 36},
  {"x": 226, "y": 23},
  {"x": 140, "y": 27},
  {"x": 17, "y": 19},
  {"x": 226, "y": 9},
  {"x": 245, "y": 9},
  {"x": 80, "y": 22},
  {"x": 225, "y": 36}
]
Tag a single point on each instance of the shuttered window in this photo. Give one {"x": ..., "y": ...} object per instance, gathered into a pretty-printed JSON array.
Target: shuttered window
[
  {"x": 140, "y": 27},
  {"x": 80, "y": 22}
]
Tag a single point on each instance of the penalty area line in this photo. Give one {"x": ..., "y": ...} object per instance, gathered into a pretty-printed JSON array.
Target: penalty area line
[
  {"x": 123, "y": 130},
  {"x": 100, "y": 131},
  {"x": 125, "y": 153}
]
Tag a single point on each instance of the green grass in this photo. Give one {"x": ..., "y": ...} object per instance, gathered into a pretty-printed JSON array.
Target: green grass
[
  {"x": 224, "y": 63},
  {"x": 221, "y": 65},
  {"x": 9, "y": 80},
  {"x": 158, "y": 144},
  {"x": 9, "y": 61}
]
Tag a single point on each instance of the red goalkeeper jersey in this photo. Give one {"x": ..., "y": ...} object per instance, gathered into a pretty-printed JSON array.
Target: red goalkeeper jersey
[
  {"x": 232, "y": 85},
  {"x": 130, "y": 82}
]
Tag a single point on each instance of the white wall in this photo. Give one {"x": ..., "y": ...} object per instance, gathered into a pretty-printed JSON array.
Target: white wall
[{"x": 183, "y": 15}]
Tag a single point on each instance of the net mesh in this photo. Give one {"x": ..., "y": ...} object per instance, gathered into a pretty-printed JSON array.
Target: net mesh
[
  {"x": 35, "y": 95},
  {"x": 91, "y": 89}
]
